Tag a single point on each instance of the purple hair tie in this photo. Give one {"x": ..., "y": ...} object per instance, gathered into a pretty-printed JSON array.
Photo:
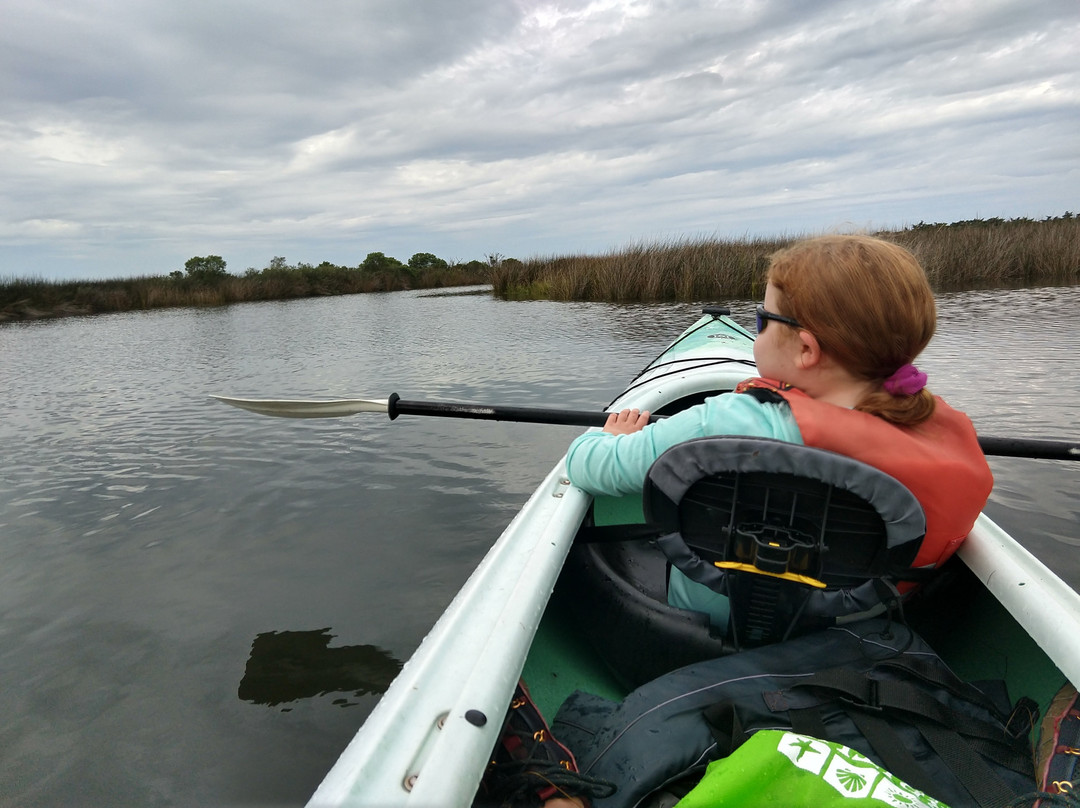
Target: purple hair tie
[{"x": 907, "y": 381}]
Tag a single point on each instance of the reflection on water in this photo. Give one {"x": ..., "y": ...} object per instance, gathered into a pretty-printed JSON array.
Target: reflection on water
[
  {"x": 149, "y": 533},
  {"x": 287, "y": 666}
]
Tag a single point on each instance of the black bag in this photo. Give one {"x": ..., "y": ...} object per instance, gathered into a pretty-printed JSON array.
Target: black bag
[{"x": 873, "y": 686}]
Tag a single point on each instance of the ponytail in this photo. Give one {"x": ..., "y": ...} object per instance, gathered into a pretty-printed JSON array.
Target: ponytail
[
  {"x": 902, "y": 410},
  {"x": 903, "y": 399}
]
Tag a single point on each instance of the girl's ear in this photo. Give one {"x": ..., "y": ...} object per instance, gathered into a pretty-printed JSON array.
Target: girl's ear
[{"x": 810, "y": 354}]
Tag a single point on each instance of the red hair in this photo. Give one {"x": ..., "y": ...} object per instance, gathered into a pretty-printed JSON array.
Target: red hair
[{"x": 868, "y": 303}]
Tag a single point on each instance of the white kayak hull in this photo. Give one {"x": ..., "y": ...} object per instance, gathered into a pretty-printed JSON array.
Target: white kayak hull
[{"x": 429, "y": 739}]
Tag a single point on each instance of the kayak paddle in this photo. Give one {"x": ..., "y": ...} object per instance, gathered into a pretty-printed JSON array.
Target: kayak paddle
[{"x": 395, "y": 406}]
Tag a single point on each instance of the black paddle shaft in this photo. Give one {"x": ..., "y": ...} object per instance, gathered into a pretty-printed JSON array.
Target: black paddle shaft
[
  {"x": 1000, "y": 447},
  {"x": 482, "y": 412},
  {"x": 1024, "y": 447}
]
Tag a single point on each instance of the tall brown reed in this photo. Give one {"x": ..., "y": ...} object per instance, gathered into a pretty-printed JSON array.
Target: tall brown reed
[
  {"x": 964, "y": 255},
  {"x": 687, "y": 269},
  {"x": 995, "y": 253}
]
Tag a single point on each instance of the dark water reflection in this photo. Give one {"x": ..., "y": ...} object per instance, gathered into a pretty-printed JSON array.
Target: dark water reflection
[
  {"x": 169, "y": 566},
  {"x": 287, "y": 666}
]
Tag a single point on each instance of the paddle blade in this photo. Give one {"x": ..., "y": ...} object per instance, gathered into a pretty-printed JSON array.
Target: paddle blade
[{"x": 285, "y": 408}]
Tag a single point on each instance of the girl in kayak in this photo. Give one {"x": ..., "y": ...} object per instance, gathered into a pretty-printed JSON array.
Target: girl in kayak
[{"x": 842, "y": 321}]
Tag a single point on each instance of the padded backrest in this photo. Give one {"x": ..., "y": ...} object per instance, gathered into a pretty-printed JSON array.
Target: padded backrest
[{"x": 824, "y": 525}]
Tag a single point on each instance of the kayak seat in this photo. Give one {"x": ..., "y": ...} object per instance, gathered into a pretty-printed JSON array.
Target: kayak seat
[
  {"x": 797, "y": 538},
  {"x": 849, "y": 525}
]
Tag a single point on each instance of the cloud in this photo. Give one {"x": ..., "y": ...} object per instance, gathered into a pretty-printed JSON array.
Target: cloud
[{"x": 134, "y": 135}]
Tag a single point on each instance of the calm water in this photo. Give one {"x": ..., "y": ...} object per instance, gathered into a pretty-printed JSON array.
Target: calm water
[{"x": 199, "y": 606}]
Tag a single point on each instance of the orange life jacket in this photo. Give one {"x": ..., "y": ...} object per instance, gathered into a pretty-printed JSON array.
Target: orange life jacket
[{"x": 938, "y": 460}]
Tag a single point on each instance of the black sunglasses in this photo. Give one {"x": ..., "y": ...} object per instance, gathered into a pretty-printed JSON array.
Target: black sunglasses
[{"x": 763, "y": 317}]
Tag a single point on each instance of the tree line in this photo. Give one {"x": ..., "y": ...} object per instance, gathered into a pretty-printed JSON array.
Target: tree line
[
  {"x": 213, "y": 267},
  {"x": 206, "y": 281}
]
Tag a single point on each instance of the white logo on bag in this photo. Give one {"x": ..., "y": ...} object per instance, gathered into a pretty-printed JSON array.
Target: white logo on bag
[{"x": 850, "y": 773}]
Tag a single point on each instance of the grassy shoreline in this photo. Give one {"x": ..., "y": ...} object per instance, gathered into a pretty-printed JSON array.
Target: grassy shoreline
[
  {"x": 975, "y": 254},
  {"x": 33, "y": 299}
]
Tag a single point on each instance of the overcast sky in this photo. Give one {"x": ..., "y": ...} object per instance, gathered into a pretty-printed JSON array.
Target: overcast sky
[{"x": 135, "y": 135}]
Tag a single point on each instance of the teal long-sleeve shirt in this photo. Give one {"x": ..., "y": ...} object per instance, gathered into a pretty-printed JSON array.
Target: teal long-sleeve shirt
[{"x": 601, "y": 463}]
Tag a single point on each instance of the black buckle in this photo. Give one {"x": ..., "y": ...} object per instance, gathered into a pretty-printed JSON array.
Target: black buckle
[{"x": 774, "y": 549}]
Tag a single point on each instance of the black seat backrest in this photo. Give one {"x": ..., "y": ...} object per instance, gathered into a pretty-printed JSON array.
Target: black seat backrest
[{"x": 796, "y": 537}]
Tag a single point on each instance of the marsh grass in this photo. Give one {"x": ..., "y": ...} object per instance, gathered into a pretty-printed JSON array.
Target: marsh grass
[
  {"x": 681, "y": 270},
  {"x": 975, "y": 254},
  {"x": 964, "y": 255},
  {"x": 34, "y": 298},
  {"x": 995, "y": 253}
]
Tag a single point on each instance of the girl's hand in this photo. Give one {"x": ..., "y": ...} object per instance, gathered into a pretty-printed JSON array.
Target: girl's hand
[{"x": 626, "y": 422}]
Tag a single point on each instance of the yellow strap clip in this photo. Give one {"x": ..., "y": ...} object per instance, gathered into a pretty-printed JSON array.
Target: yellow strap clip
[{"x": 787, "y": 576}]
